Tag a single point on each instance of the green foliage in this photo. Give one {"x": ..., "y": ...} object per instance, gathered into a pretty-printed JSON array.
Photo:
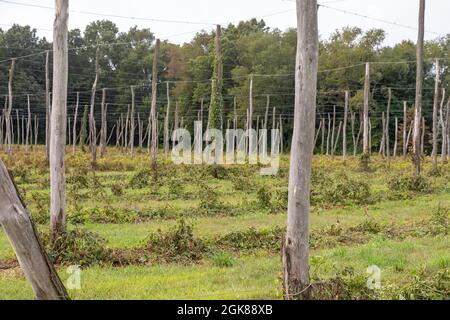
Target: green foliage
[
  {"x": 140, "y": 179},
  {"x": 339, "y": 190},
  {"x": 405, "y": 185},
  {"x": 222, "y": 260},
  {"x": 264, "y": 197},
  {"x": 209, "y": 200},
  {"x": 78, "y": 247},
  {"x": 176, "y": 245},
  {"x": 251, "y": 239}
]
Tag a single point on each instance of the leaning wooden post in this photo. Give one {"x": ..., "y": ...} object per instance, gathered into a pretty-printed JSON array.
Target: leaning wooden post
[
  {"x": 419, "y": 81},
  {"x": 366, "y": 112},
  {"x": 296, "y": 244},
  {"x": 344, "y": 130},
  {"x": 250, "y": 117},
  {"x": 58, "y": 121},
  {"x": 266, "y": 115},
  {"x": 24, "y": 238},
  {"x": 36, "y": 129},
  {"x": 92, "y": 126},
  {"x": 422, "y": 137},
  {"x": 154, "y": 150},
  {"x": 74, "y": 134},
  {"x": 435, "y": 118}
]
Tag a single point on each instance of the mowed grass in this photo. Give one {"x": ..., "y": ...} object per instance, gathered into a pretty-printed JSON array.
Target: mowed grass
[{"x": 253, "y": 275}]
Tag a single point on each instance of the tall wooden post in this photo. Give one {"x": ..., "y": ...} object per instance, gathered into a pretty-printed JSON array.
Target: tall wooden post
[
  {"x": 366, "y": 111},
  {"x": 166, "y": 123},
  {"x": 154, "y": 151},
  {"x": 444, "y": 125},
  {"x": 9, "y": 129},
  {"x": 103, "y": 133},
  {"x": 386, "y": 131},
  {"x": 396, "y": 137},
  {"x": 132, "y": 125},
  {"x": 58, "y": 121},
  {"x": 74, "y": 134},
  {"x": 435, "y": 118},
  {"x": 296, "y": 244},
  {"x": 419, "y": 82},
  {"x": 28, "y": 137},
  {"x": 344, "y": 130},
  {"x": 405, "y": 128},
  {"x": 92, "y": 126},
  {"x": 47, "y": 108},
  {"x": 250, "y": 116}
]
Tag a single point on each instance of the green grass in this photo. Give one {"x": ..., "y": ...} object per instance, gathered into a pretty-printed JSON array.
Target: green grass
[{"x": 250, "y": 275}]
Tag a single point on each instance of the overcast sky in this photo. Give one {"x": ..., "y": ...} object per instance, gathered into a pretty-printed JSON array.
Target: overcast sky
[{"x": 277, "y": 14}]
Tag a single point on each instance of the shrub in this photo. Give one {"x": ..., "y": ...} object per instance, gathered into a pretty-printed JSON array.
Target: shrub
[
  {"x": 339, "y": 190},
  {"x": 252, "y": 239},
  {"x": 409, "y": 183},
  {"x": 117, "y": 189},
  {"x": 209, "y": 200},
  {"x": 41, "y": 211},
  {"x": 264, "y": 197},
  {"x": 78, "y": 247},
  {"x": 175, "y": 188},
  {"x": 176, "y": 245},
  {"x": 242, "y": 184},
  {"x": 217, "y": 171},
  {"x": 140, "y": 179}
]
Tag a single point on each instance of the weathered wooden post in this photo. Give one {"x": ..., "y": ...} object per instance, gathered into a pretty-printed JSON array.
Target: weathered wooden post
[
  {"x": 366, "y": 142},
  {"x": 405, "y": 126},
  {"x": 344, "y": 130},
  {"x": 47, "y": 107},
  {"x": 23, "y": 236},
  {"x": 154, "y": 151},
  {"x": 132, "y": 125},
  {"x": 103, "y": 132},
  {"x": 435, "y": 118},
  {"x": 92, "y": 126},
  {"x": 28, "y": 137},
  {"x": 74, "y": 134},
  {"x": 444, "y": 125},
  {"x": 296, "y": 244},
  {"x": 396, "y": 137},
  {"x": 166, "y": 123},
  {"x": 386, "y": 130},
  {"x": 419, "y": 81},
  {"x": 9, "y": 129},
  {"x": 59, "y": 120}
]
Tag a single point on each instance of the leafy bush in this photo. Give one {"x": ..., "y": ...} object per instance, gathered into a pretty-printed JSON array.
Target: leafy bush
[
  {"x": 117, "y": 189},
  {"x": 78, "y": 247},
  {"x": 176, "y": 245},
  {"x": 339, "y": 190},
  {"x": 217, "y": 171},
  {"x": 209, "y": 200},
  {"x": 409, "y": 183},
  {"x": 140, "y": 179},
  {"x": 264, "y": 197},
  {"x": 175, "y": 188},
  {"x": 251, "y": 239}
]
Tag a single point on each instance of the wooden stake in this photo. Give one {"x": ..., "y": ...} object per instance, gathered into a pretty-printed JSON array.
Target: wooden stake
[
  {"x": 296, "y": 245},
  {"x": 154, "y": 151},
  {"x": 58, "y": 121},
  {"x": 435, "y": 118},
  {"x": 92, "y": 126}
]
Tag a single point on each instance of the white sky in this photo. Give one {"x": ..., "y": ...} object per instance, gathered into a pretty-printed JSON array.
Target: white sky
[{"x": 225, "y": 11}]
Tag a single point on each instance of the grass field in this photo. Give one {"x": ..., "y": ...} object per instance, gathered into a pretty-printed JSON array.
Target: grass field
[{"x": 198, "y": 232}]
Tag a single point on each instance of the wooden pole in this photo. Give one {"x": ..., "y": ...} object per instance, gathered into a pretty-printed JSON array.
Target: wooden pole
[
  {"x": 386, "y": 131},
  {"x": 405, "y": 126},
  {"x": 344, "y": 130},
  {"x": 24, "y": 238},
  {"x": 154, "y": 151},
  {"x": 266, "y": 115},
  {"x": 9, "y": 129},
  {"x": 92, "y": 126},
  {"x": 435, "y": 118},
  {"x": 36, "y": 129},
  {"x": 366, "y": 142},
  {"x": 419, "y": 85},
  {"x": 132, "y": 125},
  {"x": 103, "y": 136},
  {"x": 28, "y": 137},
  {"x": 250, "y": 116},
  {"x": 396, "y": 137},
  {"x": 47, "y": 107},
  {"x": 333, "y": 130},
  {"x": 166, "y": 123},
  {"x": 444, "y": 128},
  {"x": 296, "y": 245},
  {"x": 58, "y": 120},
  {"x": 328, "y": 134},
  {"x": 75, "y": 118}
]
